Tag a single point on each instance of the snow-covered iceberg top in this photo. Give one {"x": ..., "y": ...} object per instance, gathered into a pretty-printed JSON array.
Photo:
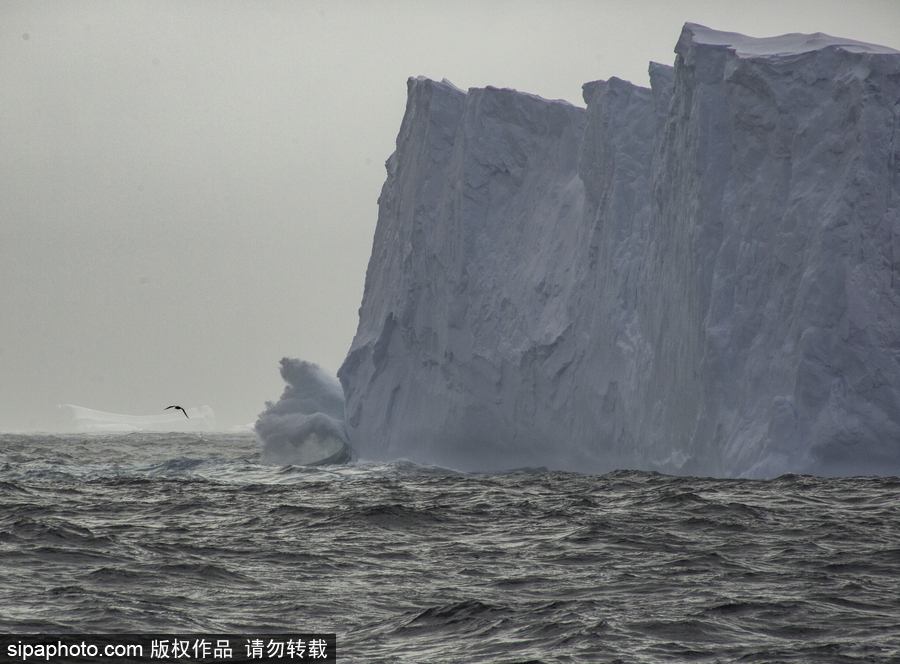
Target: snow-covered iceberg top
[
  {"x": 78, "y": 419},
  {"x": 790, "y": 44}
]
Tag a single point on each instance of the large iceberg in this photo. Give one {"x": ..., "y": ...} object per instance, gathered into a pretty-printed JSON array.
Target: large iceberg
[{"x": 702, "y": 277}]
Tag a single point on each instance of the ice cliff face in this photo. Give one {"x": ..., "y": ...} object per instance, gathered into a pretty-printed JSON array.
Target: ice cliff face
[{"x": 702, "y": 277}]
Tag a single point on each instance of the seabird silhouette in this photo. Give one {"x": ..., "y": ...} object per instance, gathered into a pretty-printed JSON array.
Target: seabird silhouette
[{"x": 179, "y": 408}]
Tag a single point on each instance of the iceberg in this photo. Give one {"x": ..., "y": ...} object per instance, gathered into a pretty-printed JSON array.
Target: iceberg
[
  {"x": 305, "y": 427},
  {"x": 700, "y": 277},
  {"x": 76, "y": 419}
]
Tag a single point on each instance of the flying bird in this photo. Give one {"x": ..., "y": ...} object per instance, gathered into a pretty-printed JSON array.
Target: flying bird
[{"x": 179, "y": 408}]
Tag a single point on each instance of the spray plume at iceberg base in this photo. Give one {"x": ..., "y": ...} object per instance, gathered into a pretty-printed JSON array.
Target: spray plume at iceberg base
[
  {"x": 306, "y": 425},
  {"x": 700, "y": 278}
]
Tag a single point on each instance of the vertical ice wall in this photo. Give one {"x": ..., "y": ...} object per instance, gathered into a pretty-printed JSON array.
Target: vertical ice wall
[
  {"x": 695, "y": 278},
  {"x": 776, "y": 222},
  {"x": 469, "y": 277}
]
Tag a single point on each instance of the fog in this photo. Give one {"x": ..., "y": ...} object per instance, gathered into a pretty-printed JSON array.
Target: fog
[{"x": 188, "y": 190}]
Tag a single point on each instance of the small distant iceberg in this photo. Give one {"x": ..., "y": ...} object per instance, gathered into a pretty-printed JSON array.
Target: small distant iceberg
[
  {"x": 76, "y": 419},
  {"x": 305, "y": 427}
]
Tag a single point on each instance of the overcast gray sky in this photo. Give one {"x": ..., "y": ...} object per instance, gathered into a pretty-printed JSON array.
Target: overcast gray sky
[{"x": 188, "y": 189}]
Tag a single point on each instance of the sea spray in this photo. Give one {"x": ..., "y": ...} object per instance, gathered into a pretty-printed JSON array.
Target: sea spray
[{"x": 306, "y": 425}]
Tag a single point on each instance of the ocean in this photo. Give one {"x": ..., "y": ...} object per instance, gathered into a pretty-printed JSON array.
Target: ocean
[{"x": 188, "y": 533}]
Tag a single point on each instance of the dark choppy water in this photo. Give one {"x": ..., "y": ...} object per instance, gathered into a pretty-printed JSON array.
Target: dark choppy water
[{"x": 186, "y": 532}]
